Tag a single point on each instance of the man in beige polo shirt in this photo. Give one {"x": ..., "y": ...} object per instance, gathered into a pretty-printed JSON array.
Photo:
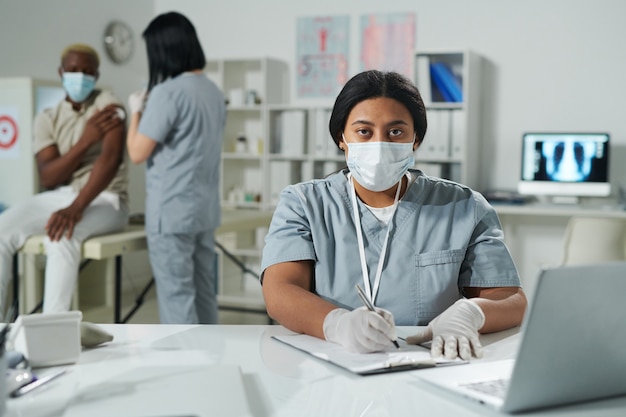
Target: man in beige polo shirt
[{"x": 79, "y": 150}]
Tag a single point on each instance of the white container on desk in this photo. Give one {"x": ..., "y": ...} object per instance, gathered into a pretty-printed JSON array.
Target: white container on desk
[{"x": 48, "y": 339}]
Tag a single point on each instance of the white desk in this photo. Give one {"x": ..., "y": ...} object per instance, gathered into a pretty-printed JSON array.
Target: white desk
[
  {"x": 559, "y": 210},
  {"x": 277, "y": 379},
  {"x": 535, "y": 233}
]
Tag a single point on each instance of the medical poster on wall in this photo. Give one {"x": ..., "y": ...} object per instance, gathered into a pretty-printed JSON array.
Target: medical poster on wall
[
  {"x": 388, "y": 42},
  {"x": 9, "y": 133},
  {"x": 322, "y": 55}
]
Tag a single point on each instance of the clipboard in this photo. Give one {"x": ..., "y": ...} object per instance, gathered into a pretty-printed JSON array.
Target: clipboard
[{"x": 408, "y": 357}]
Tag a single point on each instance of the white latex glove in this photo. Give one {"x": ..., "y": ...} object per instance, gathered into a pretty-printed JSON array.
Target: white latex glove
[
  {"x": 360, "y": 330},
  {"x": 454, "y": 333},
  {"x": 136, "y": 101}
]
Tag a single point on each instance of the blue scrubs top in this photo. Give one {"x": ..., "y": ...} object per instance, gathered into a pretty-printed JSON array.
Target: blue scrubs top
[
  {"x": 185, "y": 115},
  {"x": 444, "y": 237}
]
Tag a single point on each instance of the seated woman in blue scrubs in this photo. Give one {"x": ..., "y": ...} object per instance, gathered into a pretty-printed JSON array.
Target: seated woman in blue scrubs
[{"x": 426, "y": 251}]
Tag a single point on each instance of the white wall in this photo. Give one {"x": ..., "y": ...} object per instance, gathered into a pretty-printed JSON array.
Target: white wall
[
  {"x": 554, "y": 65},
  {"x": 551, "y": 65},
  {"x": 33, "y": 34}
]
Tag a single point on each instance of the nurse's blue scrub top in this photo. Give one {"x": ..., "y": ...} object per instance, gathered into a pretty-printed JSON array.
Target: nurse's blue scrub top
[
  {"x": 444, "y": 237},
  {"x": 185, "y": 115}
]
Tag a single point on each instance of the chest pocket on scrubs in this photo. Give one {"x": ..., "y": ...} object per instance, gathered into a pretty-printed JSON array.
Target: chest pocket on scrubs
[{"x": 437, "y": 276}]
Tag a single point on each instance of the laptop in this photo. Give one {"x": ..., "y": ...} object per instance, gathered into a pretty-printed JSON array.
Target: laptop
[{"x": 572, "y": 345}]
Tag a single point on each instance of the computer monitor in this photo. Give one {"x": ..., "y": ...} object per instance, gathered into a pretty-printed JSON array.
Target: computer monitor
[{"x": 565, "y": 165}]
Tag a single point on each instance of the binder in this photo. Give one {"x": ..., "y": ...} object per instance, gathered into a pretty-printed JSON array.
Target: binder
[
  {"x": 423, "y": 78},
  {"x": 447, "y": 84},
  {"x": 280, "y": 177},
  {"x": 431, "y": 169},
  {"x": 457, "y": 133},
  {"x": 292, "y": 129},
  {"x": 320, "y": 137},
  {"x": 436, "y": 142}
]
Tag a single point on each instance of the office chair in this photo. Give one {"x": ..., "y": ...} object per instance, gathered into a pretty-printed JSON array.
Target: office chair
[{"x": 594, "y": 240}]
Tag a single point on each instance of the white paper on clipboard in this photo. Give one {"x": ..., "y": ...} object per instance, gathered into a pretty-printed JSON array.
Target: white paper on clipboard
[{"x": 408, "y": 357}]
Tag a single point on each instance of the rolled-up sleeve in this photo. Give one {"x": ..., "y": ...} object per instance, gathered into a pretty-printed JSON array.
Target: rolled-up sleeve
[{"x": 289, "y": 237}]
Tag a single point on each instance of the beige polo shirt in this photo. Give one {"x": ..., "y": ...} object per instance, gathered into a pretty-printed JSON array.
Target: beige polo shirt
[{"x": 63, "y": 126}]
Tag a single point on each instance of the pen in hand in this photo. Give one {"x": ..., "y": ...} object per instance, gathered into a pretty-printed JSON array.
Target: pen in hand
[{"x": 370, "y": 307}]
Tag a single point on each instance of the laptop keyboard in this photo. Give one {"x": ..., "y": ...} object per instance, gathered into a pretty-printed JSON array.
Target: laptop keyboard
[{"x": 495, "y": 387}]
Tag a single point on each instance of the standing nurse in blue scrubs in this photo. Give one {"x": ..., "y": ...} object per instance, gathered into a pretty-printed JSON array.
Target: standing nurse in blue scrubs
[
  {"x": 426, "y": 251},
  {"x": 177, "y": 126}
]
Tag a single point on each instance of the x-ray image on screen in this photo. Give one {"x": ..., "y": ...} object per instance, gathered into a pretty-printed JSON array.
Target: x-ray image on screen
[
  {"x": 568, "y": 160},
  {"x": 565, "y": 164},
  {"x": 565, "y": 158}
]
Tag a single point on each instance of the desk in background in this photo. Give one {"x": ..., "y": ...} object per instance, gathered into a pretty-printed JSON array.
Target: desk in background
[
  {"x": 277, "y": 379},
  {"x": 535, "y": 233}
]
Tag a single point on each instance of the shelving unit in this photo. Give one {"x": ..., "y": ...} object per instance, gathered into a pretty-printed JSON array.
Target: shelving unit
[
  {"x": 270, "y": 143},
  {"x": 250, "y": 87},
  {"x": 451, "y": 145},
  {"x": 301, "y": 148},
  {"x": 257, "y": 162}
]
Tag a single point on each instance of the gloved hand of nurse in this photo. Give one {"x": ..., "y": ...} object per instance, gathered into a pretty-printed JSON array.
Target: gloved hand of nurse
[
  {"x": 454, "y": 333},
  {"x": 136, "y": 101},
  {"x": 360, "y": 330}
]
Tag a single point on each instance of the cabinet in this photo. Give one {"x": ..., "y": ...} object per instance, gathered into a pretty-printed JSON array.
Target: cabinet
[
  {"x": 268, "y": 143},
  {"x": 250, "y": 87},
  {"x": 451, "y": 147},
  {"x": 300, "y": 147}
]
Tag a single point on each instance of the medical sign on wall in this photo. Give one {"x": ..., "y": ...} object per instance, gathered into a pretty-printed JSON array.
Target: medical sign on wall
[
  {"x": 9, "y": 133},
  {"x": 388, "y": 42},
  {"x": 322, "y": 55}
]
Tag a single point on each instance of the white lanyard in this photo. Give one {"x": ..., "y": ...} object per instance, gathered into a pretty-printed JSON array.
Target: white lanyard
[{"x": 371, "y": 294}]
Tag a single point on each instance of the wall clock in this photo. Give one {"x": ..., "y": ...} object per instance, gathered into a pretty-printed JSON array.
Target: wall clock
[{"x": 118, "y": 41}]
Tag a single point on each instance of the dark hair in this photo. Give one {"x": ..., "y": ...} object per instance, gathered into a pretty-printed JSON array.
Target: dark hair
[
  {"x": 372, "y": 84},
  {"x": 173, "y": 47}
]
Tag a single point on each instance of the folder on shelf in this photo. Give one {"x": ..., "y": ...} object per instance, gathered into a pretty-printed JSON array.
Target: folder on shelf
[
  {"x": 423, "y": 78},
  {"x": 280, "y": 177},
  {"x": 292, "y": 130},
  {"x": 431, "y": 169},
  {"x": 408, "y": 357},
  {"x": 446, "y": 82},
  {"x": 437, "y": 140},
  {"x": 276, "y": 135},
  {"x": 319, "y": 138},
  {"x": 458, "y": 130}
]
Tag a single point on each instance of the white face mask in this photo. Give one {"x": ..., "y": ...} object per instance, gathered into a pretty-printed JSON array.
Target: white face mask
[
  {"x": 78, "y": 85},
  {"x": 378, "y": 166}
]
